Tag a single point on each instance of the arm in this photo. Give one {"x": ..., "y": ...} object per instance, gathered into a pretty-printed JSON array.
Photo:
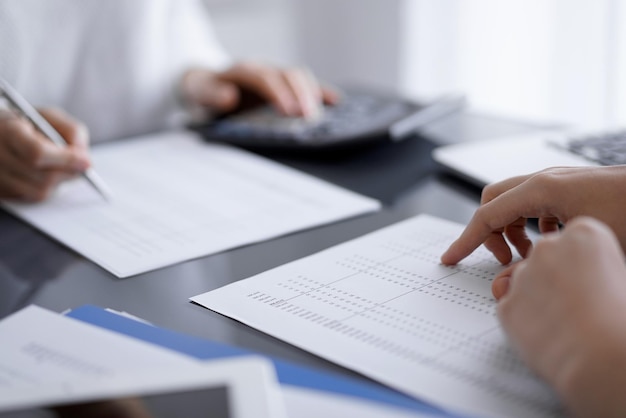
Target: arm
[
  {"x": 31, "y": 166},
  {"x": 554, "y": 196},
  {"x": 564, "y": 310}
]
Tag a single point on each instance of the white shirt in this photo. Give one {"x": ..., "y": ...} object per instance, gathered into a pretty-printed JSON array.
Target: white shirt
[{"x": 113, "y": 64}]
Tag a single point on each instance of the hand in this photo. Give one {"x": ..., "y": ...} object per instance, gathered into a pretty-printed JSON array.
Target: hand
[
  {"x": 555, "y": 196},
  {"x": 294, "y": 92},
  {"x": 564, "y": 309},
  {"x": 31, "y": 165}
]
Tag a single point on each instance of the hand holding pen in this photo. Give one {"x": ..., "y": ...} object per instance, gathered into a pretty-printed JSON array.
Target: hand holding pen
[{"x": 40, "y": 150}]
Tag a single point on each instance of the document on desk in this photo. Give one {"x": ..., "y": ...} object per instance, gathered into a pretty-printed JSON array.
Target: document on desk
[
  {"x": 41, "y": 347},
  {"x": 384, "y": 306},
  {"x": 176, "y": 197}
]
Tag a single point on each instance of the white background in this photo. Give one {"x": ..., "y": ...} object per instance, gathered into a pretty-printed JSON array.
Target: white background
[{"x": 546, "y": 60}]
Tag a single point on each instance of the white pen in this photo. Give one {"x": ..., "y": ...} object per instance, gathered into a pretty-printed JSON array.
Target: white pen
[{"x": 29, "y": 112}]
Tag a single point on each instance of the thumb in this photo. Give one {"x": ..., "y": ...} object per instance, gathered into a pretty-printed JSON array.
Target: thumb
[
  {"x": 500, "y": 285},
  {"x": 502, "y": 282}
]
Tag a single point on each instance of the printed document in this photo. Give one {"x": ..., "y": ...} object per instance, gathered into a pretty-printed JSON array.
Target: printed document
[
  {"x": 384, "y": 306},
  {"x": 176, "y": 197},
  {"x": 49, "y": 359},
  {"x": 44, "y": 354},
  {"x": 40, "y": 347}
]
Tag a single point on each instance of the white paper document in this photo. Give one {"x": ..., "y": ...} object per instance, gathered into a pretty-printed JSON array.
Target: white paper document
[
  {"x": 39, "y": 347},
  {"x": 47, "y": 356},
  {"x": 49, "y": 359},
  {"x": 176, "y": 197},
  {"x": 383, "y": 305}
]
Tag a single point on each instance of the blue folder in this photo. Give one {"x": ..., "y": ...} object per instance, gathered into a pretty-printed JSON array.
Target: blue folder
[{"x": 288, "y": 373}]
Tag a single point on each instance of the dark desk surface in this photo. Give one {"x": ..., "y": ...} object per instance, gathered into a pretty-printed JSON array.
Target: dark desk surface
[{"x": 36, "y": 270}]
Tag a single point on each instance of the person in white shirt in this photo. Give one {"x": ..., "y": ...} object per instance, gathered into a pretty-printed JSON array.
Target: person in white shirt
[{"x": 100, "y": 70}]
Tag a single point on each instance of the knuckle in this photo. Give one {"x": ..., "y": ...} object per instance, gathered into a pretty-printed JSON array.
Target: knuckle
[
  {"x": 481, "y": 216},
  {"x": 294, "y": 72},
  {"x": 18, "y": 128},
  {"x": 549, "y": 180},
  {"x": 268, "y": 77}
]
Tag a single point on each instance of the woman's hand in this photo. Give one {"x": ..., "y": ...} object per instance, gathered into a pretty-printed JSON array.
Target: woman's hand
[
  {"x": 555, "y": 196},
  {"x": 293, "y": 92},
  {"x": 564, "y": 309},
  {"x": 31, "y": 165}
]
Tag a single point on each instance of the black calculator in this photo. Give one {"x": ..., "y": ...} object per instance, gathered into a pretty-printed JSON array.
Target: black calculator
[{"x": 359, "y": 117}]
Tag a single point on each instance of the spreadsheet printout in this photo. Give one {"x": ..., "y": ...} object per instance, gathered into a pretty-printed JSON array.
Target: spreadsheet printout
[
  {"x": 384, "y": 306},
  {"x": 176, "y": 197}
]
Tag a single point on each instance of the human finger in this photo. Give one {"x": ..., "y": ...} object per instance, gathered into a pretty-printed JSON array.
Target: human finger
[
  {"x": 523, "y": 201},
  {"x": 34, "y": 151},
  {"x": 469, "y": 241},
  {"x": 493, "y": 190},
  {"x": 10, "y": 164},
  {"x": 498, "y": 246},
  {"x": 205, "y": 88},
  {"x": 548, "y": 224},
  {"x": 264, "y": 81},
  {"x": 330, "y": 95},
  {"x": 72, "y": 130},
  {"x": 485, "y": 225},
  {"x": 305, "y": 91},
  {"x": 15, "y": 186},
  {"x": 517, "y": 236},
  {"x": 501, "y": 283},
  {"x": 221, "y": 96}
]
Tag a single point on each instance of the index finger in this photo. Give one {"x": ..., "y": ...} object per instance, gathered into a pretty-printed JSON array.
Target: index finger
[
  {"x": 330, "y": 95},
  {"x": 263, "y": 80},
  {"x": 34, "y": 151},
  {"x": 493, "y": 190},
  {"x": 522, "y": 201},
  {"x": 306, "y": 91}
]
